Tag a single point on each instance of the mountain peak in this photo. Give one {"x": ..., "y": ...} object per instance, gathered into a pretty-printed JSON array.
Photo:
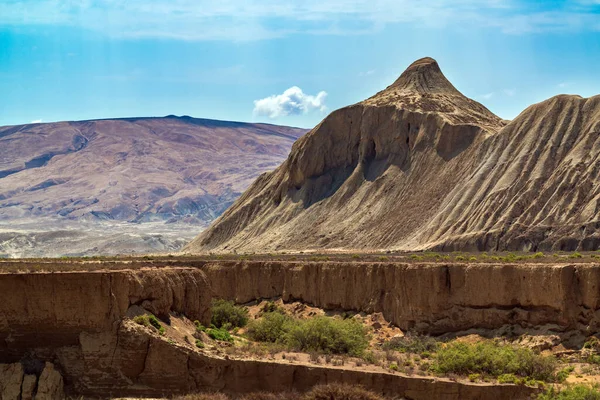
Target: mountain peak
[
  {"x": 424, "y": 76},
  {"x": 423, "y": 88}
]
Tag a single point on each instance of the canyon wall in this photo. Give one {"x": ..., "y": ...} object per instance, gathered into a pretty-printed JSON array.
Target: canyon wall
[
  {"x": 428, "y": 298},
  {"x": 77, "y": 320}
]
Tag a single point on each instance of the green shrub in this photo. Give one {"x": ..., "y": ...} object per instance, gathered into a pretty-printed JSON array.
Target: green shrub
[
  {"x": 508, "y": 378},
  {"x": 272, "y": 327},
  {"x": 226, "y": 312},
  {"x": 199, "y": 344},
  {"x": 317, "y": 334},
  {"x": 423, "y": 345},
  {"x": 564, "y": 373},
  {"x": 219, "y": 334},
  {"x": 149, "y": 321},
  {"x": 493, "y": 359},
  {"x": 393, "y": 366},
  {"x": 141, "y": 320},
  {"x": 575, "y": 392},
  {"x": 474, "y": 377},
  {"x": 576, "y": 255},
  {"x": 199, "y": 326}
]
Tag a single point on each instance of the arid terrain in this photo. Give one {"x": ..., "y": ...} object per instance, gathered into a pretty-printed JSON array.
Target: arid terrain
[
  {"x": 412, "y": 246},
  {"x": 124, "y": 178},
  {"x": 411, "y": 326},
  {"x": 421, "y": 166}
]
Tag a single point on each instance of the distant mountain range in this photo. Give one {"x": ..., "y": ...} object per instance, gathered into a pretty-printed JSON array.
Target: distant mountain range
[
  {"x": 135, "y": 169},
  {"x": 170, "y": 169}
]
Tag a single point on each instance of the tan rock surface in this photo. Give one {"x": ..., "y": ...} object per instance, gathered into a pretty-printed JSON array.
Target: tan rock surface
[
  {"x": 419, "y": 166},
  {"x": 11, "y": 378},
  {"x": 28, "y": 389},
  {"x": 50, "y": 384}
]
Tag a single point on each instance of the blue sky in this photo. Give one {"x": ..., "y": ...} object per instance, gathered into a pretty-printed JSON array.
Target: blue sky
[{"x": 286, "y": 62}]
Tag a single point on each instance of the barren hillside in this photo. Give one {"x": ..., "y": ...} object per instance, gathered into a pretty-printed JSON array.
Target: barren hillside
[
  {"x": 419, "y": 165},
  {"x": 75, "y": 187},
  {"x": 137, "y": 169}
]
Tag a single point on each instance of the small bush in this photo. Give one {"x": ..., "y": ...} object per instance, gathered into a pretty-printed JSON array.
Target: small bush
[
  {"x": 576, "y": 255},
  {"x": 199, "y": 326},
  {"x": 329, "y": 335},
  {"x": 423, "y": 345},
  {"x": 226, "y": 312},
  {"x": 317, "y": 334},
  {"x": 494, "y": 359},
  {"x": 508, "y": 378},
  {"x": 199, "y": 344},
  {"x": 340, "y": 392},
  {"x": 272, "y": 327},
  {"x": 219, "y": 334},
  {"x": 149, "y": 321},
  {"x": 575, "y": 392},
  {"x": 141, "y": 320},
  {"x": 474, "y": 377}
]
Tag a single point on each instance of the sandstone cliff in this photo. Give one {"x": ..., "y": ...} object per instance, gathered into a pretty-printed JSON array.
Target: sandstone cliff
[{"x": 419, "y": 166}]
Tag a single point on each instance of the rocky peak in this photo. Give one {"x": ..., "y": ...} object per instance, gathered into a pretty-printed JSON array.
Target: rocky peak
[
  {"x": 424, "y": 76},
  {"x": 423, "y": 88}
]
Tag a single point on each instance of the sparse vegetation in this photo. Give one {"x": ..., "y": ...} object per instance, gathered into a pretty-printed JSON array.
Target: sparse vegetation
[
  {"x": 423, "y": 345},
  {"x": 150, "y": 321},
  {"x": 574, "y": 392},
  {"x": 493, "y": 359},
  {"x": 220, "y": 334},
  {"x": 320, "y": 334},
  {"x": 334, "y": 391}
]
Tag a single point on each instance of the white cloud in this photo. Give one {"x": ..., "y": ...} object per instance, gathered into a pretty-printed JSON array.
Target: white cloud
[
  {"x": 487, "y": 95},
  {"x": 509, "y": 92},
  {"x": 293, "y": 101},
  {"x": 562, "y": 85},
  {"x": 242, "y": 20},
  {"x": 36, "y": 121}
]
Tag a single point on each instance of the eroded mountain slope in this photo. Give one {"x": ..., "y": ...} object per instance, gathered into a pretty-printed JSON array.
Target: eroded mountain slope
[
  {"x": 135, "y": 169},
  {"x": 418, "y": 166}
]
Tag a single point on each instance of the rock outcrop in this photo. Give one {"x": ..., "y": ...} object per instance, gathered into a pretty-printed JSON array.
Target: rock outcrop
[
  {"x": 418, "y": 166},
  {"x": 15, "y": 384}
]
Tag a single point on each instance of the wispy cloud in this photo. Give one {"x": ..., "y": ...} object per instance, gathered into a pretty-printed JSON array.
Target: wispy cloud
[
  {"x": 241, "y": 20},
  {"x": 487, "y": 96},
  {"x": 367, "y": 73},
  {"x": 509, "y": 92},
  {"x": 562, "y": 85},
  {"x": 293, "y": 101},
  {"x": 36, "y": 121}
]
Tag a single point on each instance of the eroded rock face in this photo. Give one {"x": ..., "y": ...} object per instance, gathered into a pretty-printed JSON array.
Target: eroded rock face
[
  {"x": 421, "y": 166},
  {"x": 15, "y": 385},
  {"x": 57, "y": 308},
  {"x": 11, "y": 377},
  {"x": 78, "y": 321},
  {"x": 432, "y": 299}
]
